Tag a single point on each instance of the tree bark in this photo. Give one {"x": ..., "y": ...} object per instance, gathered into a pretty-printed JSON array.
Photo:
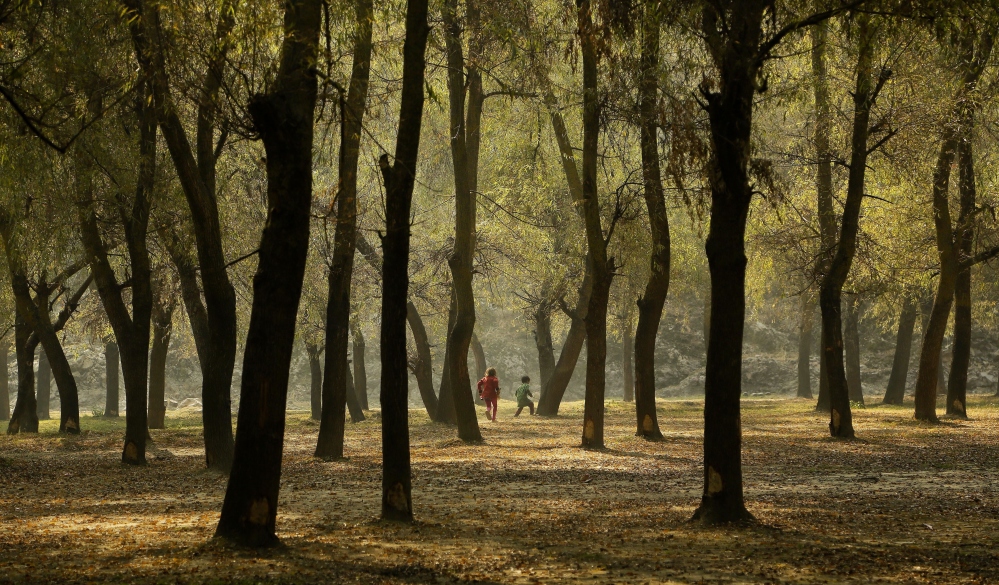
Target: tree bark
[
  {"x": 397, "y": 501},
  {"x": 957, "y": 386},
  {"x": 650, "y": 305},
  {"x": 480, "y": 355},
  {"x": 805, "y": 345},
  {"x": 830, "y": 295},
  {"x": 284, "y": 119},
  {"x": 111, "y": 385},
  {"x": 851, "y": 349},
  {"x": 627, "y": 372},
  {"x": 543, "y": 341},
  {"x": 43, "y": 388},
  {"x": 335, "y": 395},
  {"x": 4, "y": 380},
  {"x": 895, "y": 393},
  {"x": 196, "y": 174},
  {"x": 24, "y": 419},
  {"x": 823, "y": 186},
  {"x": 460, "y": 334},
  {"x": 162, "y": 320},
  {"x": 360, "y": 370},
  {"x": 316, "y": 379}
]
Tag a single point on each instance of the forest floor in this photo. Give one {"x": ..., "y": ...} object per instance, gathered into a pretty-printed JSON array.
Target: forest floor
[{"x": 905, "y": 503}]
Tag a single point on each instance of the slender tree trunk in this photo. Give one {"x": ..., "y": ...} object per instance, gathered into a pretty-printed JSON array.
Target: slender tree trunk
[
  {"x": 805, "y": 345},
  {"x": 4, "y": 380},
  {"x": 43, "y": 387},
  {"x": 284, "y": 118},
  {"x": 111, "y": 363},
  {"x": 650, "y": 305},
  {"x": 823, "y": 187},
  {"x": 24, "y": 419},
  {"x": 851, "y": 340},
  {"x": 480, "y": 355},
  {"x": 423, "y": 367},
  {"x": 830, "y": 296},
  {"x": 360, "y": 370},
  {"x": 543, "y": 341},
  {"x": 397, "y": 502},
  {"x": 957, "y": 387},
  {"x": 316, "y": 379},
  {"x": 335, "y": 395},
  {"x": 627, "y": 372},
  {"x": 895, "y": 393},
  {"x": 162, "y": 330}
]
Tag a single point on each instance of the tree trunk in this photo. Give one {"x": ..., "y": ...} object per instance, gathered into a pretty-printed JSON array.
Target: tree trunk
[
  {"x": 360, "y": 370},
  {"x": 543, "y": 341},
  {"x": 823, "y": 187},
  {"x": 895, "y": 393},
  {"x": 957, "y": 387},
  {"x": 24, "y": 419},
  {"x": 335, "y": 396},
  {"x": 111, "y": 363},
  {"x": 460, "y": 262},
  {"x": 397, "y": 502},
  {"x": 316, "y": 379},
  {"x": 830, "y": 296},
  {"x": 627, "y": 373},
  {"x": 196, "y": 173},
  {"x": 423, "y": 366},
  {"x": 851, "y": 340},
  {"x": 805, "y": 345},
  {"x": 284, "y": 118},
  {"x": 480, "y": 355},
  {"x": 43, "y": 387},
  {"x": 4, "y": 381},
  {"x": 162, "y": 330},
  {"x": 650, "y": 305}
]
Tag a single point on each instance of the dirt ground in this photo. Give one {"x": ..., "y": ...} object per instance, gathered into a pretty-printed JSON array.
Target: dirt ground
[{"x": 905, "y": 503}]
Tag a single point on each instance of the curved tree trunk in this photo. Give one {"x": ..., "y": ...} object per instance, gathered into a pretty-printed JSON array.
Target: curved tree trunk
[
  {"x": 111, "y": 385},
  {"x": 24, "y": 419},
  {"x": 43, "y": 386},
  {"x": 851, "y": 349},
  {"x": 423, "y": 366},
  {"x": 335, "y": 395},
  {"x": 895, "y": 393},
  {"x": 360, "y": 370},
  {"x": 805, "y": 345},
  {"x": 284, "y": 117}
]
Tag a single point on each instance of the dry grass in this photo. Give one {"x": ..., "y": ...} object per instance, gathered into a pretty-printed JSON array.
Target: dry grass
[{"x": 906, "y": 503}]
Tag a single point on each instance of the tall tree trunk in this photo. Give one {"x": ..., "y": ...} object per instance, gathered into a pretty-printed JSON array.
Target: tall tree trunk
[
  {"x": 196, "y": 173},
  {"x": 284, "y": 118},
  {"x": 316, "y": 378},
  {"x": 111, "y": 363},
  {"x": 360, "y": 370},
  {"x": 823, "y": 186},
  {"x": 805, "y": 345},
  {"x": 335, "y": 396},
  {"x": 24, "y": 419},
  {"x": 851, "y": 349},
  {"x": 957, "y": 387},
  {"x": 650, "y": 305},
  {"x": 4, "y": 380},
  {"x": 543, "y": 341},
  {"x": 162, "y": 330},
  {"x": 397, "y": 502},
  {"x": 460, "y": 333},
  {"x": 43, "y": 387},
  {"x": 895, "y": 393},
  {"x": 830, "y": 295},
  {"x": 627, "y": 372}
]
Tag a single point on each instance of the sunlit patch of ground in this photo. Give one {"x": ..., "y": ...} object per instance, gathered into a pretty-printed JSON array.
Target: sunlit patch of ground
[{"x": 905, "y": 503}]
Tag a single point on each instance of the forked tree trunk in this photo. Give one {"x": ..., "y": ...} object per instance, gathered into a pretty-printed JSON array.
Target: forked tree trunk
[
  {"x": 650, "y": 305},
  {"x": 397, "y": 502},
  {"x": 43, "y": 387},
  {"x": 24, "y": 419},
  {"x": 284, "y": 118},
  {"x": 316, "y": 380},
  {"x": 335, "y": 395},
  {"x": 805, "y": 345},
  {"x": 895, "y": 393},
  {"x": 360, "y": 369},
  {"x": 4, "y": 381},
  {"x": 957, "y": 386},
  {"x": 111, "y": 385},
  {"x": 851, "y": 340},
  {"x": 830, "y": 296}
]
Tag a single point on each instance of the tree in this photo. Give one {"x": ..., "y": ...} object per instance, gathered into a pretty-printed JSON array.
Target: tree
[
  {"x": 284, "y": 118},
  {"x": 895, "y": 393}
]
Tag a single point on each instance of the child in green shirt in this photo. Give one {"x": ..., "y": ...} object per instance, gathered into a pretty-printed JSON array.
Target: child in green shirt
[{"x": 524, "y": 396}]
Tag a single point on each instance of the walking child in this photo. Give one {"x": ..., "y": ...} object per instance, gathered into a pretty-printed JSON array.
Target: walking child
[
  {"x": 489, "y": 392},
  {"x": 524, "y": 396}
]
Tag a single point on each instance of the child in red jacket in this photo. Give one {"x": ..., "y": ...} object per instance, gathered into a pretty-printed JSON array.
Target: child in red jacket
[{"x": 489, "y": 391}]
